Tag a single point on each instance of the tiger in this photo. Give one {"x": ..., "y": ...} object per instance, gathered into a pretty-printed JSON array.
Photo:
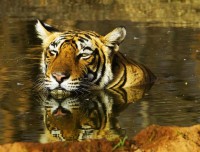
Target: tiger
[{"x": 76, "y": 60}]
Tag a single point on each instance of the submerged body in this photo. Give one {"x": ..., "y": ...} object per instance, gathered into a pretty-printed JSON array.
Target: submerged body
[
  {"x": 128, "y": 73},
  {"x": 78, "y": 60}
]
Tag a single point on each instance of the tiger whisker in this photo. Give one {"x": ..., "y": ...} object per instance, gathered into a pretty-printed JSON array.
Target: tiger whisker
[
  {"x": 89, "y": 85},
  {"x": 40, "y": 84},
  {"x": 85, "y": 90}
]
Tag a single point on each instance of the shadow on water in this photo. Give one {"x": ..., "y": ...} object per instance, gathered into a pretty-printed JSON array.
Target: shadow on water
[{"x": 86, "y": 116}]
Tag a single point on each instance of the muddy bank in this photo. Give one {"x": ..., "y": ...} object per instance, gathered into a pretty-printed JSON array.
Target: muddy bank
[
  {"x": 168, "y": 139},
  {"x": 166, "y": 12},
  {"x": 153, "y": 138}
]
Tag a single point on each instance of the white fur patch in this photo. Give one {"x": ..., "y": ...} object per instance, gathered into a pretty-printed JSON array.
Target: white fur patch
[{"x": 41, "y": 31}]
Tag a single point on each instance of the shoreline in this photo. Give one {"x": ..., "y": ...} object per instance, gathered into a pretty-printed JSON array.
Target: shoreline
[{"x": 153, "y": 138}]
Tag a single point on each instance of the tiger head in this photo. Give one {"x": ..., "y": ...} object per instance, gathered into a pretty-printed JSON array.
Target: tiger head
[{"x": 74, "y": 59}]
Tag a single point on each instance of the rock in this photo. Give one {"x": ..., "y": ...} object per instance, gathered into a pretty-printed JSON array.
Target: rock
[
  {"x": 91, "y": 145},
  {"x": 153, "y": 138},
  {"x": 167, "y": 139}
]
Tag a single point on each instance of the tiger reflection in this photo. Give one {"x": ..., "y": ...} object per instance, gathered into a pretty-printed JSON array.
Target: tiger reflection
[{"x": 86, "y": 116}]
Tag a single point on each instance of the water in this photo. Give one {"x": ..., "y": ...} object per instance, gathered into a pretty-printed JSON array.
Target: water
[{"x": 171, "y": 52}]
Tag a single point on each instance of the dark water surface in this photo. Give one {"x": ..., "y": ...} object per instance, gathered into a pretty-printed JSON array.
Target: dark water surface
[{"x": 172, "y": 53}]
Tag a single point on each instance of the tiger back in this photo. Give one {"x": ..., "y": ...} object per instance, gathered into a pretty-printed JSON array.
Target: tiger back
[{"x": 77, "y": 60}]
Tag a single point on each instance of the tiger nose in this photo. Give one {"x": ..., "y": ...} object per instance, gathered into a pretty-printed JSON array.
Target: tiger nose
[{"x": 60, "y": 76}]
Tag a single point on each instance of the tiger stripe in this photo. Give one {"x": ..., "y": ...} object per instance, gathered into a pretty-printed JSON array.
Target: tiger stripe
[{"x": 89, "y": 59}]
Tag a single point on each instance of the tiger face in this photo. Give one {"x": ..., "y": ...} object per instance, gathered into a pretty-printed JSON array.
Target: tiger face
[{"x": 75, "y": 60}]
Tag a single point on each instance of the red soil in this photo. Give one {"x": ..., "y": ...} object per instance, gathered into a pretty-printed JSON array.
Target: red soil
[{"x": 152, "y": 139}]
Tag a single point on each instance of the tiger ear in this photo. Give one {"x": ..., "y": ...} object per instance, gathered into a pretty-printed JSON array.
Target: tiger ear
[
  {"x": 115, "y": 37},
  {"x": 44, "y": 30}
]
